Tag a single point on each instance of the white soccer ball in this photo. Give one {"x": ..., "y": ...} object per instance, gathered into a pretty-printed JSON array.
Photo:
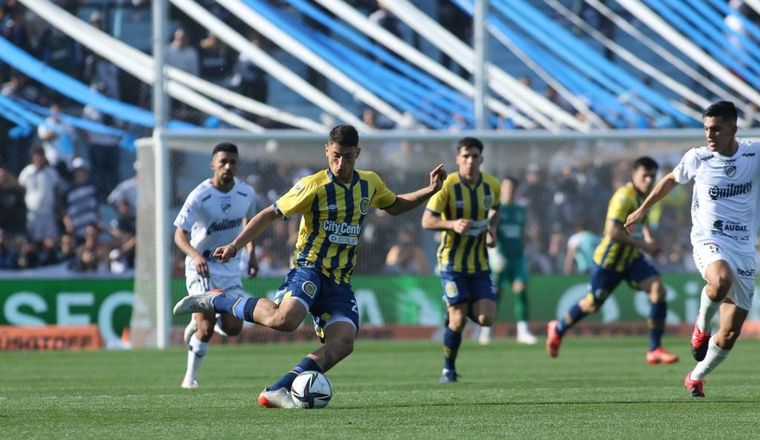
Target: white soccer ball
[{"x": 311, "y": 389}]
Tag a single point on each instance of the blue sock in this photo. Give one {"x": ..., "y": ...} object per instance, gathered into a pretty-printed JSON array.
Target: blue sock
[
  {"x": 451, "y": 342},
  {"x": 286, "y": 381},
  {"x": 572, "y": 316},
  {"x": 241, "y": 308},
  {"x": 656, "y": 324}
]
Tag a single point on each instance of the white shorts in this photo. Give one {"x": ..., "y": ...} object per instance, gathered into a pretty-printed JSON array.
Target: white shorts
[
  {"x": 742, "y": 266},
  {"x": 232, "y": 286}
]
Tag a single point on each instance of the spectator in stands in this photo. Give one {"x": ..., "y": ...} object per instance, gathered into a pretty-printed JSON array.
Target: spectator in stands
[
  {"x": 126, "y": 191},
  {"x": 61, "y": 52},
  {"x": 123, "y": 229},
  {"x": 216, "y": 59},
  {"x": 12, "y": 206},
  {"x": 181, "y": 54},
  {"x": 18, "y": 86},
  {"x": 28, "y": 257},
  {"x": 98, "y": 70},
  {"x": 81, "y": 201},
  {"x": 248, "y": 78},
  {"x": 42, "y": 185},
  {"x": 58, "y": 138},
  {"x": 406, "y": 256},
  {"x": 459, "y": 23},
  {"x": 68, "y": 249},
  {"x": 8, "y": 254},
  {"x": 581, "y": 245},
  {"x": 14, "y": 27},
  {"x": 90, "y": 254},
  {"x": 49, "y": 252},
  {"x": 104, "y": 149}
]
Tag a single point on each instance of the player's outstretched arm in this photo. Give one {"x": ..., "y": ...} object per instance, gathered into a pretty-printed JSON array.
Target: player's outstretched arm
[
  {"x": 663, "y": 188},
  {"x": 408, "y": 201},
  {"x": 258, "y": 224}
]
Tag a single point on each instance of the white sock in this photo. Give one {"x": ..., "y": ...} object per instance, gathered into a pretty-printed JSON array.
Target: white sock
[
  {"x": 196, "y": 351},
  {"x": 485, "y": 332},
  {"x": 522, "y": 328},
  {"x": 715, "y": 355},
  {"x": 707, "y": 309}
]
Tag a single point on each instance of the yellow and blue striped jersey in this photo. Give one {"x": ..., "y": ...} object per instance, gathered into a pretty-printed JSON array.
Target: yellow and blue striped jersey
[
  {"x": 456, "y": 200},
  {"x": 611, "y": 254},
  {"x": 333, "y": 216}
]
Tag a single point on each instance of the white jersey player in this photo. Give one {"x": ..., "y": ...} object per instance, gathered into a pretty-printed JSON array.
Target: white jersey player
[
  {"x": 212, "y": 216},
  {"x": 724, "y": 214}
]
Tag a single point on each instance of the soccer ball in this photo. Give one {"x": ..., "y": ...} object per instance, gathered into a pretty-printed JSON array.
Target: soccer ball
[{"x": 311, "y": 389}]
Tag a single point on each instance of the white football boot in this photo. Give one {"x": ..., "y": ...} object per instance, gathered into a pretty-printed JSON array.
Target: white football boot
[
  {"x": 196, "y": 303},
  {"x": 189, "y": 384},
  {"x": 279, "y": 398},
  {"x": 524, "y": 336}
]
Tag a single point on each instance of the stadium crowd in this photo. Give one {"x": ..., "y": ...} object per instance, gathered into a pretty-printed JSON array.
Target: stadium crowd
[{"x": 66, "y": 197}]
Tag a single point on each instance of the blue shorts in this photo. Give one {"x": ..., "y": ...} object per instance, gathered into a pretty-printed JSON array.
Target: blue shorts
[
  {"x": 604, "y": 281},
  {"x": 327, "y": 301},
  {"x": 459, "y": 287}
]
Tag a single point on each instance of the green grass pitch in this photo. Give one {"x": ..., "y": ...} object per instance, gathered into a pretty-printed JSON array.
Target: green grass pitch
[{"x": 597, "y": 388}]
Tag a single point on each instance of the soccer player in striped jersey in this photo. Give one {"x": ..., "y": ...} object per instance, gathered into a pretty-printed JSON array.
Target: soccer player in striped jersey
[
  {"x": 466, "y": 211},
  {"x": 213, "y": 214},
  {"x": 621, "y": 256},
  {"x": 334, "y": 204}
]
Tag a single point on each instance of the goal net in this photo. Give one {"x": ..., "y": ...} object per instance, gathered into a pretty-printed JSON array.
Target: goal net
[{"x": 582, "y": 168}]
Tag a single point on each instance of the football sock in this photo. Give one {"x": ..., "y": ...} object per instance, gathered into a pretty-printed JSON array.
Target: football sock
[
  {"x": 715, "y": 355},
  {"x": 521, "y": 306},
  {"x": 572, "y": 316},
  {"x": 196, "y": 350},
  {"x": 707, "y": 309},
  {"x": 241, "y": 308},
  {"x": 451, "y": 342},
  {"x": 286, "y": 381},
  {"x": 656, "y": 324}
]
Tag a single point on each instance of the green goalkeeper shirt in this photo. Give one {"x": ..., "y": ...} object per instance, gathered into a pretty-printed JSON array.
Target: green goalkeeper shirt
[{"x": 511, "y": 230}]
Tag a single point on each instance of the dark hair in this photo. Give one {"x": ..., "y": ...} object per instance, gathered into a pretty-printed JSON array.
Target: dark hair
[
  {"x": 227, "y": 147},
  {"x": 646, "y": 162},
  {"x": 469, "y": 142},
  {"x": 721, "y": 109},
  {"x": 344, "y": 135}
]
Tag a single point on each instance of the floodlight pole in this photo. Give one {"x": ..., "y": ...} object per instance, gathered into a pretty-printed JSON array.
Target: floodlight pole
[
  {"x": 480, "y": 41},
  {"x": 161, "y": 175}
]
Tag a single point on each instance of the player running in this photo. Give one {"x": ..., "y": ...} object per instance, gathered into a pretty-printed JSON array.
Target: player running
[
  {"x": 213, "y": 214},
  {"x": 620, "y": 256},
  {"x": 466, "y": 210},
  {"x": 724, "y": 216}
]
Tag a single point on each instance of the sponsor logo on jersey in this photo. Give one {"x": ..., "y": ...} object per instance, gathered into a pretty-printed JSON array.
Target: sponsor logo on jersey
[
  {"x": 730, "y": 170},
  {"x": 309, "y": 288},
  {"x": 332, "y": 207},
  {"x": 722, "y": 225},
  {"x": 223, "y": 225},
  {"x": 342, "y": 233},
  {"x": 731, "y": 190},
  {"x": 706, "y": 157},
  {"x": 364, "y": 205},
  {"x": 745, "y": 272}
]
